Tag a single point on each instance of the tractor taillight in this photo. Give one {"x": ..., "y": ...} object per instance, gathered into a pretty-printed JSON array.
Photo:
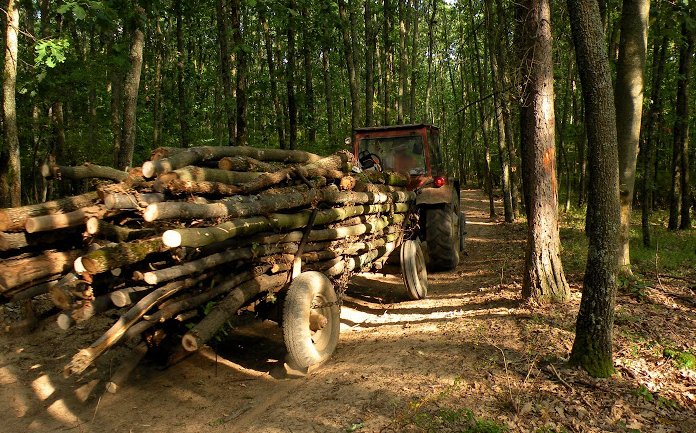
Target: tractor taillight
[{"x": 439, "y": 181}]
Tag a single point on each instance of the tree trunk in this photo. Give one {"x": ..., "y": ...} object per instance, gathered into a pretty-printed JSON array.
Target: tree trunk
[
  {"x": 182, "y": 108},
  {"x": 241, "y": 56},
  {"x": 592, "y": 348},
  {"x": 290, "y": 75},
  {"x": 370, "y": 47},
  {"x": 273, "y": 80},
  {"x": 157, "y": 103},
  {"x": 10, "y": 173},
  {"x": 680, "y": 193},
  {"x": 350, "y": 64},
  {"x": 544, "y": 279},
  {"x": 226, "y": 69},
  {"x": 14, "y": 219},
  {"x": 130, "y": 91},
  {"x": 307, "y": 51},
  {"x": 629, "y": 102},
  {"x": 493, "y": 47},
  {"x": 414, "y": 63},
  {"x": 649, "y": 147},
  {"x": 386, "y": 50},
  {"x": 429, "y": 85},
  {"x": 403, "y": 61}
]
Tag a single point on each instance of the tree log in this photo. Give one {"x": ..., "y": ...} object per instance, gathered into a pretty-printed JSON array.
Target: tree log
[
  {"x": 126, "y": 368},
  {"x": 14, "y": 219},
  {"x": 35, "y": 269},
  {"x": 114, "y": 233},
  {"x": 68, "y": 291},
  {"x": 267, "y": 204},
  {"x": 206, "y": 328},
  {"x": 119, "y": 255},
  {"x": 208, "y": 262},
  {"x": 131, "y": 201},
  {"x": 85, "y": 357},
  {"x": 84, "y": 312},
  {"x": 32, "y": 291},
  {"x": 197, "y": 154},
  {"x": 59, "y": 221},
  {"x": 128, "y": 295},
  {"x": 199, "y": 174},
  {"x": 84, "y": 171},
  {"x": 244, "y": 163},
  {"x": 42, "y": 240}
]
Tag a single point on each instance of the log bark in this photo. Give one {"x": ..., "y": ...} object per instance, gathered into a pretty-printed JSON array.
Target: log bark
[
  {"x": 114, "y": 233},
  {"x": 60, "y": 221},
  {"x": 68, "y": 291},
  {"x": 85, "y": 357},
  {"x": 209, "y": 262},
  {"x": 267, "y": 204},
  {"x": 19, "y": 240},
  {"x": 14, "y": 219},
  {"x": 122, "y": 254},
  {"x": 247, "y": 164},
  {"x": 198, "y": 237},
  {"x": 197, "y": 154},
  {"x": 199, "y": 174},
  {"x": 116, "y": 200},
  {"x": 25, "y": 271},
  {"x": 87, "y": 310},
  {"x": 206, "y": 328},
  {"x": 84, "y": 171}
]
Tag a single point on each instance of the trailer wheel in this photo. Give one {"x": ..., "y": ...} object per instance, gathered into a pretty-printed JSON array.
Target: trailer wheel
[
  {"x": 413, "y": 269},
  {"x": 311, "y": 320},
  {"x": 442, "y": 236}
]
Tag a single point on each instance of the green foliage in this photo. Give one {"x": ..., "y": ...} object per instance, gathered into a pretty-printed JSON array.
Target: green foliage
[
  {"x": 644, "y": 393},
  {"x": 51, "y": 52},
  {"x": 359, "y": 425},
  {"x": 633, "y": 286},
  {"x": 683, "y": 359}
]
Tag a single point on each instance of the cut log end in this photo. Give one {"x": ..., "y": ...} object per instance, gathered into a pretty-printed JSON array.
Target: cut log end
[
  {"x": 92, "y": 225},
  {"x": 64, "y": 321},
  {"x": 148, "y": 169},
  {"x": 150, "y": 278},
  {"x": 171, "y": 238},
  {"x": 150, "y": 213},
  {"x": 78, "y": 266},
  {"x": 190, "y": 342}
]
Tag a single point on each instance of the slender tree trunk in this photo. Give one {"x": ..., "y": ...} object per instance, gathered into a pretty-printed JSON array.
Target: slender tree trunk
[
  {"x": 649, "y": 148},
  {"x": 497, "y": 96},
  {"x": 157, "y": 103},
  {"x": 130, "y": 91},
  {"x": 628, "y": 99},
  {"x": 387, "y": 53},
  {"x": 429, "y": 85},
  {"x": 403, "y": 60},
  {"x": 10, "y": 173},
  {"x": 680, "y": 202},
  {"x": 273, "y": 80},
  {"x": 116, "y": 107},
  {"x": 370, "y": 47},
  {"x": 242, "y": 56},
  {"x": 544, "y": 279},
  {"x": 225, "y": 70},
  {"x": 182, "y": 108},
  {"x": 414, "y": 63},
  {"x": 350, "y": 64},
  {"x": 592, "y": 348},
  {"x": 290, "y": 76},
  {"x": 307, "y": 50}
]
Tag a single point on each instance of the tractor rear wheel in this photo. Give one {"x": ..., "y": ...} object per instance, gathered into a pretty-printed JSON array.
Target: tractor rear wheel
[{"x": 442, "y": 238}]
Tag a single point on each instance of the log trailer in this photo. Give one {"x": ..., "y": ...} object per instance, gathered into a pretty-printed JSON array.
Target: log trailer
[{"x": 178, "y": 248}]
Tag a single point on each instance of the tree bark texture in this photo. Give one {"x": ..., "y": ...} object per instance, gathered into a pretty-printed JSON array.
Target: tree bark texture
[
  {"x": 130, "y": 91},
  {"x": 592, "y": 348},
  {"x": 10, "y": 172},
  {"x": 544, "y": 279},
  {"x": 628, "y": 99},
  {"x": 225, "y": 69}
]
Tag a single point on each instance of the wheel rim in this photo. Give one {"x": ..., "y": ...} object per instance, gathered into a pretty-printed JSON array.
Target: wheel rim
[
  {"x": 322, "y": 336},
  {"x": 414, "y": 270}
]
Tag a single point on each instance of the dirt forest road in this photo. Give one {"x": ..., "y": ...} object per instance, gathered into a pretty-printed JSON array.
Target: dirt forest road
[{"x": 469, "y": 345}]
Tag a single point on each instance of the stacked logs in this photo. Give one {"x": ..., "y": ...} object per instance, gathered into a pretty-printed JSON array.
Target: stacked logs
[{"x": 193, "y": 228}]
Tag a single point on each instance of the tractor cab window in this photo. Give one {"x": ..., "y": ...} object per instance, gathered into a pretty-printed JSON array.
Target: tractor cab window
[
  {"x": 436, "y": 160},
  {"x": 400, "y": 154}
]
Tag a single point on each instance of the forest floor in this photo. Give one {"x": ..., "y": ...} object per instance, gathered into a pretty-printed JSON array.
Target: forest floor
[{"x": 469, "y": 358}]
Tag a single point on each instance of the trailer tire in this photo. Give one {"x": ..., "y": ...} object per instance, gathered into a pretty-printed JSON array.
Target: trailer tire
[
  {"x": 442, "y": 236},
  {"x": 307, "y": 347},
  {"x": 413, "y": 269}
]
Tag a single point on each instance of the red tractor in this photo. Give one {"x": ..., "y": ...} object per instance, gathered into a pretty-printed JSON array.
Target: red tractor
[{"x": 415, "y": 150}]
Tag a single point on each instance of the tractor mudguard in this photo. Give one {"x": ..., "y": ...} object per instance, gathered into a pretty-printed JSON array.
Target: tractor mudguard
[{"x": 443, "y": 195}]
